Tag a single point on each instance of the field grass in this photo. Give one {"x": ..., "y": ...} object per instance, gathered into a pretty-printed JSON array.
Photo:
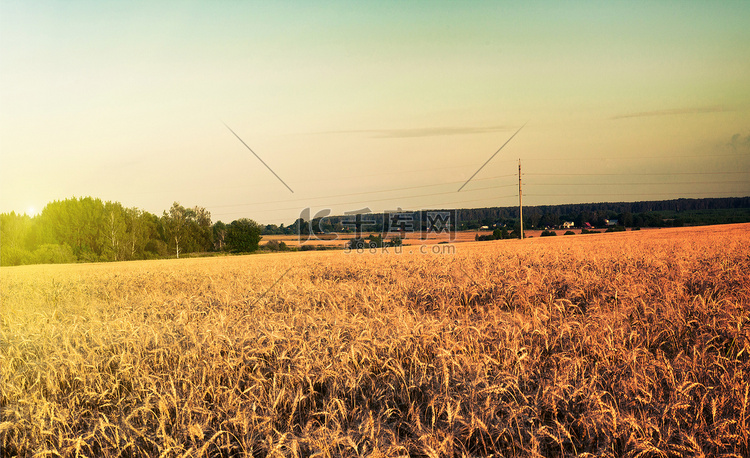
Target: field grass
[
  {"x": 409, "y": 238},
  {"x": 624, "y": 344},
  {"x": 343, "y": 239}
]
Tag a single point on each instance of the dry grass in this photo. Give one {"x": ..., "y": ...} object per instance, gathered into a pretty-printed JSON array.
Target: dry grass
[
  {"x": 629, "y": 344},
  {"x": 409, "y": 238}
]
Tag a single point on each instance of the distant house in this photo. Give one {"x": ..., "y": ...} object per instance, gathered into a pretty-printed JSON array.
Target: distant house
[
  {"x": 611, "y": 222},
  {"x": 568, "y": 224},
  {"x": 587, "y": 225},
  {"x": 484, "y": 228}
]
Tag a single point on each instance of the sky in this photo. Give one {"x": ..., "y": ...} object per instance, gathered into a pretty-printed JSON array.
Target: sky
[{"x": 371, "y": 105}]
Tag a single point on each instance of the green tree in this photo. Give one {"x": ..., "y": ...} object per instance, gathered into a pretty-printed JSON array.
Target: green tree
[
  {"x": 53, "y": 254},
  {"x": 176, "y": 224},
  {"x": 14, "y": 234},
  {"x": 500, "y": 233},
  {"x": 141, "y": 228},
  {"x": 78, "y": 223},
  {"x": 200, "y": 229},
  {"x": 243, "y": 235},
  {"x": 220, "y": 235},
  {"x": 115, "y": 232}
]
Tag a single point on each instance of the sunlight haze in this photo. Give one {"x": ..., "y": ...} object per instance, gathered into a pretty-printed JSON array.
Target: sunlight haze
[{"x": 351, "y": 102}]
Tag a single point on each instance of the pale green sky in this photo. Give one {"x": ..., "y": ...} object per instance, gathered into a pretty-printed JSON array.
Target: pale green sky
[{"x": 358, "y": 100}]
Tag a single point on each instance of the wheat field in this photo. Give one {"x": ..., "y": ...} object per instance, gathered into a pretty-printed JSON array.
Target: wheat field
[{"x": 624, "y": 344}]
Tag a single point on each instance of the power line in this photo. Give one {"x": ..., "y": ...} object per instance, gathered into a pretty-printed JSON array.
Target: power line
[
  {"x": 392, "y": 172},
  {"x": 368, "y": 200},
  {"x": 442, "y": 205},
  {"x": 365, "y": 192},
  {"x": 382, "y": 199}
]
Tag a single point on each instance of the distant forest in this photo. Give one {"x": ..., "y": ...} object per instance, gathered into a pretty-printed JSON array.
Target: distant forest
[
  {"x": 662, "y": 213},
  {"x": 89, "y": 230}
]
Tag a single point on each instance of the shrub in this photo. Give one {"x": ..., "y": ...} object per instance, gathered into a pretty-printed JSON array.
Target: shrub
[
  {"x": 275, "y": 245},
  {"x": 13, "y": 256},
  {"x": 53, "y": 254}
]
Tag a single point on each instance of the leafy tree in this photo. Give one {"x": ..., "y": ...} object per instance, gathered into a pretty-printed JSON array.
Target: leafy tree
[
  {"x": 549, "y": 220},
  {"x": 14, "y": 256},
  {"x": 357, "y": 243},
  {"x": 78, "y": 223},
  {"x": 243, "y": 235},
  {"x": 175, "y": 225},
  {"x": 616, "y": 229},
  {"x": 116, "y": 220},
  {"x": 200, "y": 230},
  {"x": 500, "y": 233},
  {"x": 141, "y": 228},
  {"x": 220, "y": 233},
  {"x": 375, "y": 241},
  {"x": 14, "y": 233},
  {"x": 53, "y": 254},
  {"x": 272, "y": 229},
  {"x": 516, "y": 233},
  {"x": 626, "y": 219}
]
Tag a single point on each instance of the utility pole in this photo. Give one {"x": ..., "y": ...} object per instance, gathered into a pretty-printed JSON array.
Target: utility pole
[{"x": 520, "y": 194}]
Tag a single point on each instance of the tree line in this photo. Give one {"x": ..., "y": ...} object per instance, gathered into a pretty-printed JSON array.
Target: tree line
[
  {"x": 89, "y": 230},
  {"x": 663, "y": 213}
]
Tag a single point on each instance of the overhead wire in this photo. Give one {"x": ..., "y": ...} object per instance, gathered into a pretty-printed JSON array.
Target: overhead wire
[
  {"x": 364, "y": 192},
  {"x": 380, "y": 199},
  {"x": 526, "y": 194}
]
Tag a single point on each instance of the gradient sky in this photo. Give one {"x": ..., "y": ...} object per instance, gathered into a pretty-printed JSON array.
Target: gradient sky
[{"x": 371, "y": 104}]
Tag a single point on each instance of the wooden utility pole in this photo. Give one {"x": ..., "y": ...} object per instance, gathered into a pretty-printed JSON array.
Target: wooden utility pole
[{"x": 520, "y": 195}]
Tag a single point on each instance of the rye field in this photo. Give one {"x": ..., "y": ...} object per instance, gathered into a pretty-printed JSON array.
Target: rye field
[{"x": 625, "y": 344}]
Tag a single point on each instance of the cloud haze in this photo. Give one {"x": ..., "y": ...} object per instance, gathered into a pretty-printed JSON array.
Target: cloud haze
[
  {"x": 675, "y": 111},
  {"x": 122, "y": 101},
  {"x": 422, "y": 131}
]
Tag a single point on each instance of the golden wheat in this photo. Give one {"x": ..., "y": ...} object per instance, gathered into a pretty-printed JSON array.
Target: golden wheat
[{"x": 631, "y": 344}]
